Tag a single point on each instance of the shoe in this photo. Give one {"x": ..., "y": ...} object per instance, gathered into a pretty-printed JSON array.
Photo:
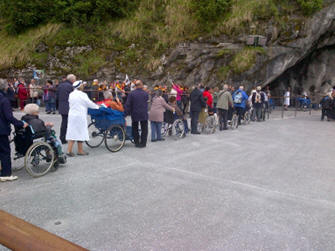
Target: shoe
[
  {"x": 70, "y": 154},
  {"x": 140, "y": 146},
  {"x": 54, "y": 113},
  {"x": 154, "y": 140},
  {"x": 195, "y": 133},
  {"x": 162, "y": 139},
  {"x": 48, "y": 112},
  {"x": 83, "y": 154},
  {"x": 64, "y": 142},
  {"x": 8, "y": 178}
]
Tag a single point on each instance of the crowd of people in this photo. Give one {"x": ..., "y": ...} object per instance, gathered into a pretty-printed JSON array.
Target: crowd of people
[{"x": 72, "y": 98}]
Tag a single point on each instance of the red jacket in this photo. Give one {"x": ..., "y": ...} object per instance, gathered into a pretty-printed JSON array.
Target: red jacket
[
  {"x": 22, "y": 92},
  {"x": 209, "y": 98}
]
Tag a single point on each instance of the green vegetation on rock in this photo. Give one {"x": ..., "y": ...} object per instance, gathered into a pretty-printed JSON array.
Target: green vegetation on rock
[
  {"x": 133, "y": 35},
  {"x": 245, "y": 59}
]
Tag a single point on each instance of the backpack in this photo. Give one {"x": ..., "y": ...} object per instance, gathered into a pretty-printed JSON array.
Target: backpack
[{"x": 238, "y": 98}]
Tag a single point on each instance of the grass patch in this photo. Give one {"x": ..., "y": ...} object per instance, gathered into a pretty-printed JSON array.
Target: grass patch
[
  {"x": 224, "y": 72},
  {"x": 245, "y": 59},
  {"x": 88, "y": 64},
  {"x": 223, "y": 52},
  {"x": 16, "y": 51}
]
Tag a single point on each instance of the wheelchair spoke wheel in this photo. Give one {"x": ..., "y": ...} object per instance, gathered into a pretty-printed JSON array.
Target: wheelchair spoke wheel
[
  {"x": 39, "y": 159},
  {"x": 165, "y": 129},
  {"x": 96, "y": 136},
  {"x": 234, "y": 122},
  {"x": 247, "y": 118},
  {"x": 178, "y": 128},
  {"x": 115, "y": 138},
  {"x": 210, "y": 125}
]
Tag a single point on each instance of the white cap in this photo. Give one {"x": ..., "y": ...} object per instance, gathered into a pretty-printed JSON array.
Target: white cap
[{"x": 77, "y": 84}]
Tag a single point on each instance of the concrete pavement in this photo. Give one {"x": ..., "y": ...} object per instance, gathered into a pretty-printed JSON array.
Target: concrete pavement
[{"x": 265, "y": 186}]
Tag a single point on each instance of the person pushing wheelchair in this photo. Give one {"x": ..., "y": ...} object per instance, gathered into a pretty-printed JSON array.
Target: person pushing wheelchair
[{"x": 6, "y": 119}]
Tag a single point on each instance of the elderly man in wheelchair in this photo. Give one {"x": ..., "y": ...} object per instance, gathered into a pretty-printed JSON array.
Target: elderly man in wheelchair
[{"x": 37, "y": 144}]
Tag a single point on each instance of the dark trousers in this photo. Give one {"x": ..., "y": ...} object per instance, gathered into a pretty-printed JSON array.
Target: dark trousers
[
  {"x": 223, "y": 117},
  {"x": 6, "y": 164},
  {"x": 194, "y": 121},
  {"x": 140, "y": 139},
  {"x": 63, "y": 128},
  {"x": 258, "y": 112},
  {"x": 240, "y": 113},
  {"x": 323, "y": 113}
]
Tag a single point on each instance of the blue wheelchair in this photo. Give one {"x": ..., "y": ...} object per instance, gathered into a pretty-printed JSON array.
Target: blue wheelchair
[
  {"x": 108, "y": 126},
  {"x": 304, "y": 103}
]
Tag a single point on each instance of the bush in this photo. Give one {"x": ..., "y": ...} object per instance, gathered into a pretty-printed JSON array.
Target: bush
[
  {"x": 23, "y": 14},
  {"x": 310, "y": 6},
  {"x": 210, "y": 10}
]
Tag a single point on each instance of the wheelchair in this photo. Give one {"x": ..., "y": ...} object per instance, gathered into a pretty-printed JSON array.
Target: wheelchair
[
  {"x": 233, "y": 119},
  {"x": 108, "y": 126},
  {"x": 208, "y": 122},
  {"x": 173, "y": 126},
  {"x": 39, "y": 150}
]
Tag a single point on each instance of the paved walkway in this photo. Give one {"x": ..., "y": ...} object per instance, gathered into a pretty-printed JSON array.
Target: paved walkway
[{"x": 265, "y": 186}]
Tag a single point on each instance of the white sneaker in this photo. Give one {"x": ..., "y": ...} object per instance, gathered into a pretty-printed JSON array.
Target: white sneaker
[{"x": 8, "y": 178}]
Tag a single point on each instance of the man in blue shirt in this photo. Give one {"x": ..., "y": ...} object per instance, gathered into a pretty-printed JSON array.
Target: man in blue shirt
[{"x": 240, "y": 102}]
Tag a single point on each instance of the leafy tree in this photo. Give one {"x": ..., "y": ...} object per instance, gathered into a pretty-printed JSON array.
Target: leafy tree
[
  {"x": 22, "y": 14},
  {"x": 310, "y": 6}
]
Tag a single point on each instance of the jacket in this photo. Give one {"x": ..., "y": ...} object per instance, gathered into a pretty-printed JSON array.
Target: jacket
[
  {"x": 112, "y": 104},
  {"x": 137, "y": 105},
  {"x": 244, "y": 99},
  {"x": 209, "y": 97},
  {"x": 6, "y": 116},
  {"x": 22, "y": 92},
  {"x": 36, "y": 123},
  {"x": 258, "y": 103},
  {"x": 49, "y": 93},
  {"x": 64, "y": 91},
  {"x": 158, "y": 108},
  {"x": 179, "y": 92},
  {"x": 224, "y": 100},
  {"x": 197, "y": 100}
]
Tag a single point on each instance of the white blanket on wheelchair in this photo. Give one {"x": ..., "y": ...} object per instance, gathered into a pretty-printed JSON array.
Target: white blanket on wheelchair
[{"x": 77, "y": 121}]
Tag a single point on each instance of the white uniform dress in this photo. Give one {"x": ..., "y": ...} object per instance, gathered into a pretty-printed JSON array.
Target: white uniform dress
[
  {"x": 77, "y": 121},
  {"x": 287, "y": 98}
]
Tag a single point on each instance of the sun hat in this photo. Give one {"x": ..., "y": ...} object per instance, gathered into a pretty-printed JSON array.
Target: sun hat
[{"x": 77, "y": 84}]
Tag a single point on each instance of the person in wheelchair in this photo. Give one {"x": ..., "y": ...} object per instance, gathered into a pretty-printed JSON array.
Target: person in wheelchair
[
  {"x": 170, "y": 117},
  {"x": 110, "y": 102},
  {"x": 39, "y": 129}
]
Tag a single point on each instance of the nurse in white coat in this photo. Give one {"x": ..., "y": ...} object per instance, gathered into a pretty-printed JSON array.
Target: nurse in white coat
[{"x": 77, "y": 120}]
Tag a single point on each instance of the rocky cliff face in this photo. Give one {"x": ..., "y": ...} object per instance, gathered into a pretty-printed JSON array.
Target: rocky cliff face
[
  {"x": 303, "y": 61},
  {"x": 301, "y": 58}
]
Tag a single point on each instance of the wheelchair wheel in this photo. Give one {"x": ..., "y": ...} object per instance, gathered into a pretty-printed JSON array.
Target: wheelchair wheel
[
  {"x": 210, "y": 125},
  {"x": 165, "y": 129},
  {"x": 115, "y": 137},
  {"x": 247, "y": 118},
  {"x": 178, "y": 128},
  {"x": 234, "y": 122},
  {"x": 39, "y": 159},
  {"x": 96, "y": 136}
]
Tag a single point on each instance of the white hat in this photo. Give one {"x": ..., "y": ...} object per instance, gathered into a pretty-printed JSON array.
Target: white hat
[{"x": 77, "y": 84}]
